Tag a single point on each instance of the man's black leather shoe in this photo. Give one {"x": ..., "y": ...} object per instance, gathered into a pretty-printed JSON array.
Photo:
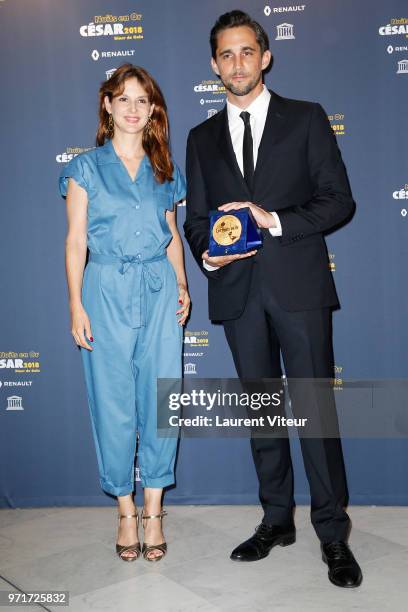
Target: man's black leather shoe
[
  {"x": 264, "y": 539},
  {"x": 344, "y": 571}
]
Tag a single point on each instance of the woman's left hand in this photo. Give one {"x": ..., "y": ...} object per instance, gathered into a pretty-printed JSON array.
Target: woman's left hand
[{"x": 184, "y": 300}]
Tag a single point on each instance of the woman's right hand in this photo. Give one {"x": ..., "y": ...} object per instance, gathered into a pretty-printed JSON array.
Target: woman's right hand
[{"x": 81, "y": 327}]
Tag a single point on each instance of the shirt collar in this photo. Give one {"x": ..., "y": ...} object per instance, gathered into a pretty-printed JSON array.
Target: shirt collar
[{"x": 258, "y": 107}]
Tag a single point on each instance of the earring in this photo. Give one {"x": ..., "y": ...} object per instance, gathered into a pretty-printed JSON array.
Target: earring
[{"x": 111, "y": 126}]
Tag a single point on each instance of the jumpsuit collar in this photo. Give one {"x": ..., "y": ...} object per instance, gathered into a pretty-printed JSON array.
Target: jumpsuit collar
[{"x": 106, "y": 154}]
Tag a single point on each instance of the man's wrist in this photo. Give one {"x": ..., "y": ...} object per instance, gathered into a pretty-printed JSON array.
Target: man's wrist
[
  {"x": 209, "y": 267},
  {"x": 276, "y": 230}
]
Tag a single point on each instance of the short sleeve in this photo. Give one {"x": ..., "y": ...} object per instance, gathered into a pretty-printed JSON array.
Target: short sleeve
[
  {"x": 179, "y": 185},
  {"x": 73, "y": 169}
]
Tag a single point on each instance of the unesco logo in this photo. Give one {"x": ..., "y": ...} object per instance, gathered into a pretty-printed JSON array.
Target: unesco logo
[
  {"x": 403, "y": 67},
  {"x": 285, "y": 31},
  {"x": 190, "y": 368},
  {"x": 15, "y": 402},
  {"x": 110, "y": 73}
]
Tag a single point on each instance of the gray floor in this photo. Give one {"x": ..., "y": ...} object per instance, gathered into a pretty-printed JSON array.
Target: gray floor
[{"x": 73, "y": 549}]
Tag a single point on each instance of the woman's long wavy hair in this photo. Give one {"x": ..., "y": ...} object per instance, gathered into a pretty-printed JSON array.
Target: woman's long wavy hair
[{"x": 156, "y": 138}]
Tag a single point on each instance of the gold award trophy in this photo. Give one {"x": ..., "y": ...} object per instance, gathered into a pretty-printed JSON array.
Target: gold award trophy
[{"x": 227, "y": 230}]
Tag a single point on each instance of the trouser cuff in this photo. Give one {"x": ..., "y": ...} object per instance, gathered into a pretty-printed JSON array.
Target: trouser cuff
[
  {"x": 125, "y": 489},
  {"x": 157, "y": 483}
]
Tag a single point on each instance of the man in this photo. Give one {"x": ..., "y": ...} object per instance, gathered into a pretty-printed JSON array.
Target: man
[{"x": 279, "y": 158}]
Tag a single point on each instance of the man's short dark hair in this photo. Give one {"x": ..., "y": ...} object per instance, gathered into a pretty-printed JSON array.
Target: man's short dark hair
[{"x": 234, "y": 19}]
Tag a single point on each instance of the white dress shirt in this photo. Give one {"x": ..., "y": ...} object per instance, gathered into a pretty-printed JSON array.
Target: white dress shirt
[{"x": 258, "y": 109}]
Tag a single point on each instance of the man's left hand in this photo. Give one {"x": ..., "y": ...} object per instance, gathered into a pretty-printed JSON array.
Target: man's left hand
[{"x": 263, "y": 218}]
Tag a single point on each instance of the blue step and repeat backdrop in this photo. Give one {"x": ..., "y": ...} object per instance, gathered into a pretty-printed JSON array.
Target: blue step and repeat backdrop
[{"x": 350, "y": 56}]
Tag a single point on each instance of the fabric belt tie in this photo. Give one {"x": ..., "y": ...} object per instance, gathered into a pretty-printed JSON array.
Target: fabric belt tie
[{"x": 143, "y": 277}]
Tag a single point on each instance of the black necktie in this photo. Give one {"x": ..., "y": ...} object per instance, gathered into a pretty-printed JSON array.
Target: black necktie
[{"x": 247, "y": 149}]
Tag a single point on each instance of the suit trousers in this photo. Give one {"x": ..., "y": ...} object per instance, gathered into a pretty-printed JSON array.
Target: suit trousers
[{"x": 257, "y": 339}]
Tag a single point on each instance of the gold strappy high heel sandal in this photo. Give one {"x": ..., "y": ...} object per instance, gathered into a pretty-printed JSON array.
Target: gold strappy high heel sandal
[
  {"x": 135, "y": 548},
  {"x": 147, "y": 548}
]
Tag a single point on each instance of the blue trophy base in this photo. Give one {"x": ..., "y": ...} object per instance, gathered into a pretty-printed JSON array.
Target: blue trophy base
[{"x": 248, "y": 239}]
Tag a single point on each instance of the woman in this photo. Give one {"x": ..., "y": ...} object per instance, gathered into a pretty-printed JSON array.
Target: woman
[{"x": 128, "y": 316}]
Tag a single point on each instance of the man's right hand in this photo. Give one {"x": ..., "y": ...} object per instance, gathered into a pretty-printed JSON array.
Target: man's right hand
[{"x": 224, "y": 260}]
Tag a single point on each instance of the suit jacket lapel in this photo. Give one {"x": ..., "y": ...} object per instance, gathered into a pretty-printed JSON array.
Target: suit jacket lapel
[
  {"x": 225, "y": 145},
  {"x": 274, "y": 130}
]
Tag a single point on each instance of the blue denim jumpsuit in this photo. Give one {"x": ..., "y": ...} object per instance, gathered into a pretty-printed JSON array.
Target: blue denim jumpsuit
[{"x": 131, "y": 296}]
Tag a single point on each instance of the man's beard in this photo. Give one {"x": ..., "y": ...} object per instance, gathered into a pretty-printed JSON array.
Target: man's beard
[{"x": 242, "y": 90}]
